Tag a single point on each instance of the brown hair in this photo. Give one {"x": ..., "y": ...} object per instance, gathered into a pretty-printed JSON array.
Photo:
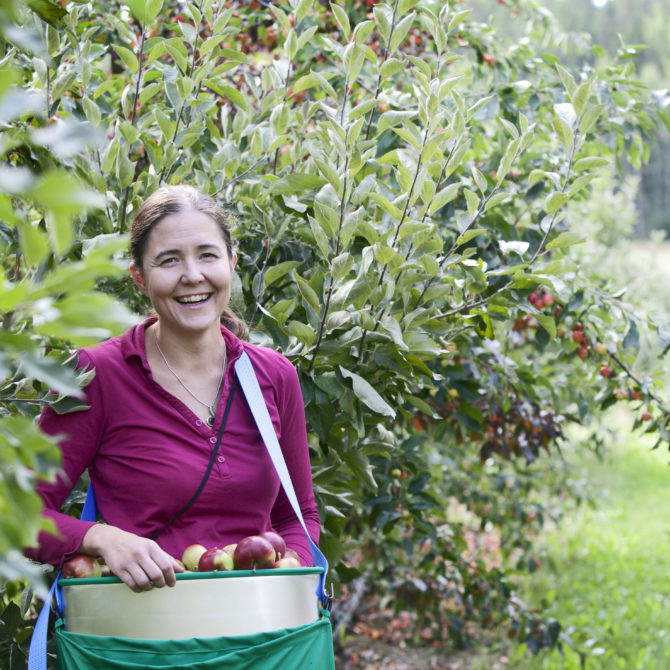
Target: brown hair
[{"x": 170, "y": 200}]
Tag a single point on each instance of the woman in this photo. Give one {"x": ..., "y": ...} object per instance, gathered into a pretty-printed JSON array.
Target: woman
[{"x": 156, "y": 404}]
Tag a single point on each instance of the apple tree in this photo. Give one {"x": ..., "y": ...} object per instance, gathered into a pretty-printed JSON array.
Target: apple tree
[{"x": 402, "y": 182}]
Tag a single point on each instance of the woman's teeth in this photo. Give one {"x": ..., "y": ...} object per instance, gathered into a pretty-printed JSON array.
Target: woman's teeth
[{"x": 190, "y": 299}]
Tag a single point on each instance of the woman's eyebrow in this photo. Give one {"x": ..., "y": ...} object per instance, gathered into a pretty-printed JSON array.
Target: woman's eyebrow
[
  {"x": 177, "y": 252},
  {"x": 166, "y": 252}
]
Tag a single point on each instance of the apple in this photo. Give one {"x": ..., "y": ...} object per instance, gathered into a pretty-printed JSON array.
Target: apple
[
  {"x": 254, "y": 552},
  {"x": 215, "y": 559},
  {"x": 291, "y": 553},
  {"x": 601, "y": 348},
  {"x": 230, "y": 548},
  {"x": 192, "y": 555},
  {"x": 287, "y": 562},
  {"x": 277, "y": 541},
  {"x": 80, "y": 566}
]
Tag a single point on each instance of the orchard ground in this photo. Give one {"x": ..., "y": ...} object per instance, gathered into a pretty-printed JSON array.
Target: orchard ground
[
  {"x": 603, "y": 572},
  {"x": 603, "y": 576}
]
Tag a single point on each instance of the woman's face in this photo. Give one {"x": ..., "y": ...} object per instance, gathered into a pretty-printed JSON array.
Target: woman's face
[{"x": 186, "y": 272}]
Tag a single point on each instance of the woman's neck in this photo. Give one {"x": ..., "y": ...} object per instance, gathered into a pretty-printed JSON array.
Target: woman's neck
[{"x": 194, "y": 350}]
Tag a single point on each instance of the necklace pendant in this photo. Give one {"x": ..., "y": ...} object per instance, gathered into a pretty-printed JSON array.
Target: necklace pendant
[{"x": 210, "y": 420}]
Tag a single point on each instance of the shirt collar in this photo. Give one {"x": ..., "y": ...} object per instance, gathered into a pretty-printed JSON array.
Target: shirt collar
[{"x": 132, "y": 342}]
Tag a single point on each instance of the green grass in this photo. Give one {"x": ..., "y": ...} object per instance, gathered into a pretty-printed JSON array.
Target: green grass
[{"x": 606, "y": 574}]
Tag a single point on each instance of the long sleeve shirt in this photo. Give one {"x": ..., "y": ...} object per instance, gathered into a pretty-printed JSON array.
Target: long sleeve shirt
[{"x": 147, "y": 452}]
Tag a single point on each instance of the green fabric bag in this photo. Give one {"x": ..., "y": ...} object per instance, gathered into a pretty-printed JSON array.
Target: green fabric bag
[{"x": 304, "y": 647}]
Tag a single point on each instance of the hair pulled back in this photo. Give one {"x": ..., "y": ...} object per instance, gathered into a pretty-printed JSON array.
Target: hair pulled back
[{"x": 170, "y": 200}]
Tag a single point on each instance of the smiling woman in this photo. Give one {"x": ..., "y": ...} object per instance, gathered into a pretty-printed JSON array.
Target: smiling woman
[{"x": 163, "y": 406}]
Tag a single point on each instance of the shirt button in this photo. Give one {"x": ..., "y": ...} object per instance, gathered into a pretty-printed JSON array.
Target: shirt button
[
  {"x": 212, "y": 440},
  {"x": 221, "y": 459},
  {"x": 198, "y": 423}
]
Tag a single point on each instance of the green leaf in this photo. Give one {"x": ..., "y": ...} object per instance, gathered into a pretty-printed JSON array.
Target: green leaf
[
  {"x": 631, "y": 339},
  {"x": 367, "y": 394},
  {"x": 50, "y": 372},
  {"x": 548, "y": 323},
  {"x": 298, "y": 183},
  {"x": 277, "y": 271},
  {"x": 590, "y": 162},
  {"x": 581, "y": 96},
  {"x": 305, "y": 82},
  {"x": 145, "y": 11},
  {"x": 230, "y": 92},
  {"x": 128, "y": 57},
  {"x": 34, "y": 243},
  {"x": 566, "y": 239},
  {"x": 341, "y": 265},
  {"x": 400, "y": 31},
  {"x": 497, "y": 199},
  {"x": 382, "y": 21},
  {"x": 555, "y": 201},
  {"x": 308, "y": 293},
  {"x": 472, "y": 200},
  {"x": 360, "y": 466},
  {"x": 563, "y": 131},
  {"x": 342, "y": 19},
  {"x": 392, "y": 118},
  {"x": 210, "y": 43},
  {"x": 567, "y": 79},
  {"x": 47, "y": 11},
  {"x": 469, "y": 235},
  {"x": 302, "y": 331},
  {"x": 391, "y": 67},
  {"x": 386, "y": 204},
  {"x": 445, "y": 196}
]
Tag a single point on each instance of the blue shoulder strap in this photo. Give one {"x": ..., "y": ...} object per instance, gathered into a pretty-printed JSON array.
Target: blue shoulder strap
[
  {"x": 37, "y": 654},
  {"x": 252, "y": 391}
]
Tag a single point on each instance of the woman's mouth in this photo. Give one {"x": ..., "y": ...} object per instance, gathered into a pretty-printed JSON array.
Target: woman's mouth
[{"x": 192, "y": 299}]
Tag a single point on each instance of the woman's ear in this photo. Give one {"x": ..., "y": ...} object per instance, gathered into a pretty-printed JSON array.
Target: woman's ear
[
  {"x": 234, "y": 260},
  {"x": 138, "y": 277}
]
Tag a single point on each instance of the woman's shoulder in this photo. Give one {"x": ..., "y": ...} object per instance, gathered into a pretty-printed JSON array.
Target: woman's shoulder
[{"x": 110, "y": 353}]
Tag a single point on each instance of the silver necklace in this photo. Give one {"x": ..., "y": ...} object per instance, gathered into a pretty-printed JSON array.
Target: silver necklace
[{"x": 210, "y": 408}]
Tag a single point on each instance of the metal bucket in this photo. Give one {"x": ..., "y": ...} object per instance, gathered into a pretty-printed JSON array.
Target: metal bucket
[{"x": 201, "y": 604}]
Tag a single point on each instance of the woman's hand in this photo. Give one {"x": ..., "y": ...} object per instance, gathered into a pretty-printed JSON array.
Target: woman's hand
[{"x": 137, "y": 561}]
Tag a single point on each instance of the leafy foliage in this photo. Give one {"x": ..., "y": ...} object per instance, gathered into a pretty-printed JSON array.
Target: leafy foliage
[{"x": 400, "y": 179}]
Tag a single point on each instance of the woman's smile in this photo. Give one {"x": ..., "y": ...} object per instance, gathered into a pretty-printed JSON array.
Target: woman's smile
[{"x": 193, "y": 299}]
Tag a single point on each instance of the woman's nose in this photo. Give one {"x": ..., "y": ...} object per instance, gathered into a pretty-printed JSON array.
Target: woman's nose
[{"x": 192, "y": 272}]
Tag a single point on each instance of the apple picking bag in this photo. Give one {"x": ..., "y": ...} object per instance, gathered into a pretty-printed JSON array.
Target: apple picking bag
[{"x": 102, "y": 639}]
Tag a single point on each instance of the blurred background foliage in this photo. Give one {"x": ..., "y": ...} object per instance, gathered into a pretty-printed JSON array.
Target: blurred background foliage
[{"x": 423, "y": 207}]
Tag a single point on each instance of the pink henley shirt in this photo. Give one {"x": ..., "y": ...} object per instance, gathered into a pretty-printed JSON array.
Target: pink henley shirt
[{"x": 146, "y": 453}]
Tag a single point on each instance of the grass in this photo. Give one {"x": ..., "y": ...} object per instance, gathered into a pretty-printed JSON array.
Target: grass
[{"x": 606, "y": 570}]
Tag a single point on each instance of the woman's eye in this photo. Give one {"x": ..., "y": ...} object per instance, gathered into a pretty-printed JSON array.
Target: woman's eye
[
  {"x": 168, "y": 261},
  {"x": 208, "y": 255}
]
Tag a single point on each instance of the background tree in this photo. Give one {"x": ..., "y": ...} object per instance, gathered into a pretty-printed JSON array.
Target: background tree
[
  {"x": 401, "y": 180},
  {"x": 590, "y": 29}
]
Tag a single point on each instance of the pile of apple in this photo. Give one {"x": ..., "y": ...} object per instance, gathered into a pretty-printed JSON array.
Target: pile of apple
[{"x": 263, "y": 551}]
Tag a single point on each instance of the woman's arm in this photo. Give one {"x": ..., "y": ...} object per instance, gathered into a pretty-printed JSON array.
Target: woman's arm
[{"x": 139, "y": 562}]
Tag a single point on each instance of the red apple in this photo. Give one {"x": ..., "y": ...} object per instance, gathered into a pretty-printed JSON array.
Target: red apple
[
  {"x": 287, "y": 562},
  {"x": 230, "y": 548},
  {"x": 291, "y": 553},
  {"x": 215, "y": 559},
  {"x": 277, "y": 541},
  {"x": 192, "y": 555},
  {"x": 254, "y": 552},
  {"x": 80, "y": 566}
]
